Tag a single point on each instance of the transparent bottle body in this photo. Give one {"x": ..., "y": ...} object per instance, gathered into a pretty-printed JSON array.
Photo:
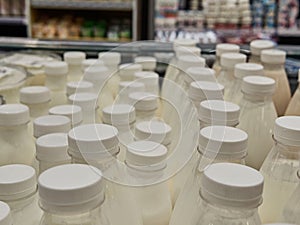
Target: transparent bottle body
[
  {"x": 92, "y": 217},
  {"x": 25, "y": 211},
  {"x": 57, "y": 85},
  {"x": 226, "y": 78},
  {"x": 37, "y": 110},
  {"x": 234, "y": 92},
  {"x": 217, "y": 66},
  {"x": 114, "y": 80},
  {"x": 91, "y": 116},
  {"x": 255, "y": 59},
  {"x": 75, "y": 72},
  {"x": 257, "y": 118},
  {"x": 280, "y": 180},
  {"x": 187, "y": 204},
  {"x": 145, "y": 115},
  {"x": 282, "y": 93},
  {"x": 11, "y": 93},
  {"x": 293, "y": 108},
  {"x": 44, "y": 165},
  {"x": 17, "y": 145}
]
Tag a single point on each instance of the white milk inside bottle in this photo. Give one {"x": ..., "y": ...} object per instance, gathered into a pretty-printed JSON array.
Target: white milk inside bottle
[
  {"x": 218, "y": 112},
  {"x": 90, "y": 62},
  {"x": 216, "y": 144},
  {"x": 17, "y": 144},
  {"x": 51, "y": 151},
  {"x": 148, "y": 63},
  {"x": 273, "y": 62},
  {"x": 18, "y": 188},
  {"x": 74, "y": 61},
  {"x": 56, "y": 79},
  {"x": 98, "y": 145},
  {"x": 126, "y": 88},
  {"x": 51, "y": 124},
  {"x": 234, "y": 93},
  {"x": 88, "y": 104},
  {"x": 121, "y": 116},
  {"x": 230, "y": 195},
  {"x": 5, "y": 214},
  {"x": 145, "y": 104},
  {"x": 280, "y": 168},
  {"x": 73, "y": 112},
  {"x": 112, "y": 60},
  {"x": 257, "y": 117},
  {"x": 59, "y": 185},
  {"x": 221, "y": 49},
  {"x": 145, "y": 162},
  {"x": 79, "y": 87},
  {"x": 127, "y": 71},
  {"x": 293, "y": 108},
  {"x": 198, "y": 74},
  {"x": 256, "y": 47},
  {"x": 228, "y": 62}
]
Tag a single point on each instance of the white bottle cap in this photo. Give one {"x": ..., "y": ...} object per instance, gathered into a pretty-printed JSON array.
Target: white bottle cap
[
  {"x": 287, "y": 130},
  {"x": 148, "y": 63},
  {"x": 127, "y": 71},
  {"x": 150, "y": 79},
  {"x": 242, "y": 70},
  {"x": 14, "y": 114},
  {"x": 227, "y": 48},
  {"x": 34, "y": 95},
  {"x": 145, "y": 153},
  {"x": 231, "y": 184},
  {"x": 50, "y": 124},
  {"x": 187, "y": 61},
  {"x": 155, "y": 131},
  {"x": 118, "y": 114},
  {"x": 181, "y": 51},
  {"x": 16, "y": 181},
  {"x": 74, "y": 58},
  {"x": 5, "y": 215},
  {"x": 52, "y": 147},
  {"x": 56, "y": 68},
  {"x": 205, "y": 90},
  {"x": 258, "y": 85},
  {"x": 257, "y": 46},
  {"x": 93, "y": 141},
  {"x": 96, "y": 73},
  {"x": 87, "y": 63},
  {"x": 86, "y": 101},
  {"x": 184, "y": 42},
  {"x": 78, "y": 87},
  {"x": 273, "y": 56},
  {"x": 73, "y": 112},
  {"x": 128, "y": 87},
  {"x": 143, "y": 101},
  {"x": 199, "y": 74},
  {"x": 110, "y": 58},
  {"x": 71, "y": 188},
  {"x": 229, "y": 60},
  {"x": 218, "y": 112},
  {"x": 223, "y": 142}
]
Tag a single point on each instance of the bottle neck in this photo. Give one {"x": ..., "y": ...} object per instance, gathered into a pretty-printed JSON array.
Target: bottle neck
[
  {"x": 37, "y": 110},
  {"x": 287, "y": 151},
  {"x": 257, "y": 97},
  {"x": 268, "y": 66},
  {"x": 15, "y": 128},
  {"x": 20, "y": 203},
  {"x": 56, "y": 83},
  {"x": 228, "y": 73},
  {"x": 255, "y": 59},
  {"x": 44, "y": 165}
]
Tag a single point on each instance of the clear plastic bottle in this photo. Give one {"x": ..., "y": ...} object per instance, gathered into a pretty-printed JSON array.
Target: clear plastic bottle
[
  {"x": 88, "y": 104},
  {"x": 73, "y": 112},
  {"x": 18, "y": 188},
  {"x": 256, "y": 47},
  {"x": 56, "y": 79},
  {"x": 228, "y": 62},
  {"x": 98, "y": 145},
  {"x": 17, "y": 144},
  {"x": 221, "y": 49},
  {"x": 148, "y": 63},
  {"x": 280, "y": 168},
  {"x": 90, "y": 62},
  {"x": 59, "y": 185},
  {"x": 273, "y": 62},
  {"x": 230, "y": 194},
  {"x": 257, "y": 117},
  {"x": 79, "y": 87},
  {"x": 234, "y": 92},
  {"x": 51, "y": 151},
  {"x": 127, "y": 71},
  {"x": 145, "y": 162},
  {"x": 74, "y": 60},
  {"x": 5, "y": 214},
  {"x": 121, "y": 116},
  {"x": 128, "y": 87},
  {"x": 218, "y": 112},
  {"x": 50, "y": 124},
  {"x": 198, "y": 74},
  {"x": 293, "y": 108},
  {"x": 149, "y": 79},
  {"x": 145, "y": 104},
  {"x": 216, "y": 144}
]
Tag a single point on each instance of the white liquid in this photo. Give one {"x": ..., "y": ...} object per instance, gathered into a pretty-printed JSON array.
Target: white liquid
[
  {"x": 75, "y": 73},
  {"x": 44, "y": 165},
  {"x": 293, "y": 108},
  {"x": 234, "y": 92},
  {"x": 57, "y": 84},
  {"x": 226, "y": 78}
]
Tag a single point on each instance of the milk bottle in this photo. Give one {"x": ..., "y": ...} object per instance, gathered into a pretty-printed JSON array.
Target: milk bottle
[
  {"x": 74, "y": 60},
  {"x": 148, "y": 63},
  {"x": 256, "y": 47},
  {"x": 73, "y": 112}
]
